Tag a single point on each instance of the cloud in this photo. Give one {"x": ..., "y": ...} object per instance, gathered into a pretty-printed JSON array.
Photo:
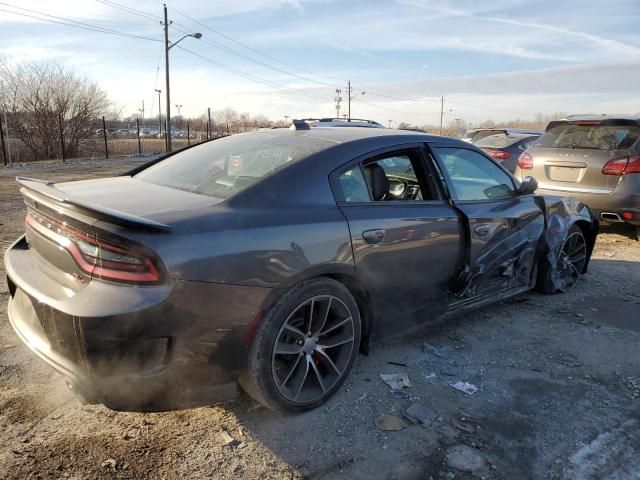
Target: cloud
[{"x": 605, "y": 42}]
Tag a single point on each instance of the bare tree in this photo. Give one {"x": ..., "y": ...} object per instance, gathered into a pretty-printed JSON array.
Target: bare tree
[{"x": 38, "y": 95}]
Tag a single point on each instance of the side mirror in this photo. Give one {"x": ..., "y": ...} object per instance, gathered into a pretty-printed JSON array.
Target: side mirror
[{"x": 527, "y": 186}]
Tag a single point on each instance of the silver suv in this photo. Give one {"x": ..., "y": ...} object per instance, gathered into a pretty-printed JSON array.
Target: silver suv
[{"x": 593, "y": 158}]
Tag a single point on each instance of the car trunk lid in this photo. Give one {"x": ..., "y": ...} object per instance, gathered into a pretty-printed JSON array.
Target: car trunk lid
[{"x": 67, "y": 243}]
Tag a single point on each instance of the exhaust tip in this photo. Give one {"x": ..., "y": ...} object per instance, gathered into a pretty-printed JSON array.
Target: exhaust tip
[{"x": 611, "y": 217}]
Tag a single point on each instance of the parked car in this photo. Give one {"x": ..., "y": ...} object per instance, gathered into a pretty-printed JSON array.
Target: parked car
[
  {"x": 594, "y": 158},
  {"x": 341, "y": 122},
  {"x": 273, "y": 258},
  {"x": 507, "y": 147},
  {"x": 476, "y": 134}
]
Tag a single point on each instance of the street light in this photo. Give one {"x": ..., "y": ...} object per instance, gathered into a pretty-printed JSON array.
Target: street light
[{"x": 167, "y": 47}]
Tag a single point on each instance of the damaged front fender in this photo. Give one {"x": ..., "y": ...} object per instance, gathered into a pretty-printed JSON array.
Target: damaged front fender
[{"x": 561, "y": 213}]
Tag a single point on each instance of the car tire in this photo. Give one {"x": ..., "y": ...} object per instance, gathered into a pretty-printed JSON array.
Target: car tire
[
  {"x": 569, "y": 267},
  {"x": 272, "y": 376}
]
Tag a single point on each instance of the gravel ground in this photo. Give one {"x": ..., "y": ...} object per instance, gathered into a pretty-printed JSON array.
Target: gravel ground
[{"x": 557, "y": 377}]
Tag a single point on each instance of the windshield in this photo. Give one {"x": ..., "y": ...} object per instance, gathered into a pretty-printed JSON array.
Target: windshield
[
  {"x": 593, "y": 137},
  {"x": 501, "y": 140},
  {"x": 226, "y": 166}
]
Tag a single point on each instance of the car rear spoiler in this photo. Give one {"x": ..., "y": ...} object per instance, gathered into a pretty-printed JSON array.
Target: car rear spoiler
[{"x": 46, "y": 189}]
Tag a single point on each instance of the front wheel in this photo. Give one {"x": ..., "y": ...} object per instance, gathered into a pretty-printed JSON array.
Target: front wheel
[
  {"x": 566, "y": 272},
  {"x": 304, "y": 348}
]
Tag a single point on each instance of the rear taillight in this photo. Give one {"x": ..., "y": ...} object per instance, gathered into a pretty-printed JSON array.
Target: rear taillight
[
  {"x": 96, "y": 257},
  {"x": 499, "y": 154},
  {"x": 622, "y": 166},
  {"x": 525, "y": 161}
]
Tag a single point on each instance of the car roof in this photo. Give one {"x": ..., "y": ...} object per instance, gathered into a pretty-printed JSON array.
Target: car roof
[
  {"x": 343, "y": 135},
  {"x": 515, "y": 135},
  {"x": 586, "y": 118}
]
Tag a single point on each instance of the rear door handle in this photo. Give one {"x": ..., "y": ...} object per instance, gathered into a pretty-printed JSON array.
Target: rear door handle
[{"x": 373, "y": 236}]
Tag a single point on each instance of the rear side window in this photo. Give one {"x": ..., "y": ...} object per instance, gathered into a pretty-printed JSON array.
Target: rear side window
[
  {"x": 473, "y": 176},
  {"x": 591, "y": 137},
  {"x": 224, "y": 167}
]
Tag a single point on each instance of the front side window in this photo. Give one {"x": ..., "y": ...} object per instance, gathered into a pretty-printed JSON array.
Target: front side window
[
  {"x": 383, "y": 179},
  {"x": 473, "y": 176}
]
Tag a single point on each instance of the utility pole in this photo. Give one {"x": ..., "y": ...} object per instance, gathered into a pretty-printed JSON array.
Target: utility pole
[
  {"x": 208, "y": 123},
  {"x": 167, "y": 129},
  {"x": 179, "y": 116},
  {"x": 441, "y": 112},
  {"x": 6, "y": 145},
  {"x": 4, "y": 148},
  {"x": 159, "y": 112},
  {"x": 338, "y": 99},
  {"x": 349, "y": 93},
  {"x": 390, "y": 124},
  {"x": 141, "y": 110},
  {"x": 286, "y": 119},
  {"x": 244, "y": 121}
]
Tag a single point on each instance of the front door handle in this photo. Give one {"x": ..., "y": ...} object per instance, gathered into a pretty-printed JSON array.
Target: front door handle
[
  {"x": 373, "y": 236},
  {"x": 482, "y": 230}
]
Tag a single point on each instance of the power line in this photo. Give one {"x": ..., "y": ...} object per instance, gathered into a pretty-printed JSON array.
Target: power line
[
  {"x": 71, "y": 23},
  {"x": 394, "y": 110},
  {"x": 253, "y": 77},
  {"x": 404, "y": 99},
  {"x": 483, "y": 107},
  {"x": 133, "y": 11},
  {"x": 251, "y": 59},
  {"x": 231, "y": 39}
]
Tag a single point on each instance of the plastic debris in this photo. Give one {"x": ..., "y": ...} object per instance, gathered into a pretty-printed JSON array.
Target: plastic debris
[
  {"x": 389, "y": 423},
  {"x": 468, "y": 388},
  {"x": 463, "y": 424},
  {"x": 228, "y": 440},
  {"x": 417, "y": 413},
  {"x": 396, "y": 381},
  {"x": 401, "y": 394},
  {"x": 431, "y": 377},
  {"x": 399, "y": 364}
]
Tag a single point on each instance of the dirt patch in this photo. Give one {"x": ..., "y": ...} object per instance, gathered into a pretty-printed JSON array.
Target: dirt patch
[{"x": 556, "y": 377}]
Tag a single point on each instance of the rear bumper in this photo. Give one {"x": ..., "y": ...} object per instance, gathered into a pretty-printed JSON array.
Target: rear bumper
[
  {"x": 624, "y": 198},
  {"x": 178, "y": 348}
]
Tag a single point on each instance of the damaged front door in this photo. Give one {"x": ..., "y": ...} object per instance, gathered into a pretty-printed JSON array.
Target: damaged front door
[{"x": 502, "y": 227}]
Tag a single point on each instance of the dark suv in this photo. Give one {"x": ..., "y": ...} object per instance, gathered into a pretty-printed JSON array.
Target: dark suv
[{"x": 593, "y": 158}]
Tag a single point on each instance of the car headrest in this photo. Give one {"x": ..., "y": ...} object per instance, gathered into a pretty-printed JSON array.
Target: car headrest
[{"x": 377, "y": 179}]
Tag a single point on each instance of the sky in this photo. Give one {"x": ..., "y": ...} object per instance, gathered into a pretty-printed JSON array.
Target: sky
[{"x": 498, "y": 60}]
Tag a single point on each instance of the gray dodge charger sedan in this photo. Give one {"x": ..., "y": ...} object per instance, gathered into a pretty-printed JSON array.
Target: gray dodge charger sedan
[{"x": 272, "y": 258}]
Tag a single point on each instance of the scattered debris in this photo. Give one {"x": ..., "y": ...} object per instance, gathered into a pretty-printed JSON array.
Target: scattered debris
[
  {"x": 466, "y": 459},
  {"x": 440, "y": 352},
  {"x": 431, "y": 377},
  {"x": 401, "y": 394},
  {"x": 417, "y": 413},
  {"x": 361, "y": 397},
  {"x": 463, "y": 423},
  {"x": 399, "y": 364},
  {"x": 110, "y": 463},
  {"x": 228, "y": 440},
  {"x": 389, "y": 423},
  {"x": 468, "y": 388},
  {"x": 633, "y": 385},
  {"x": 396, "y": 381}
]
